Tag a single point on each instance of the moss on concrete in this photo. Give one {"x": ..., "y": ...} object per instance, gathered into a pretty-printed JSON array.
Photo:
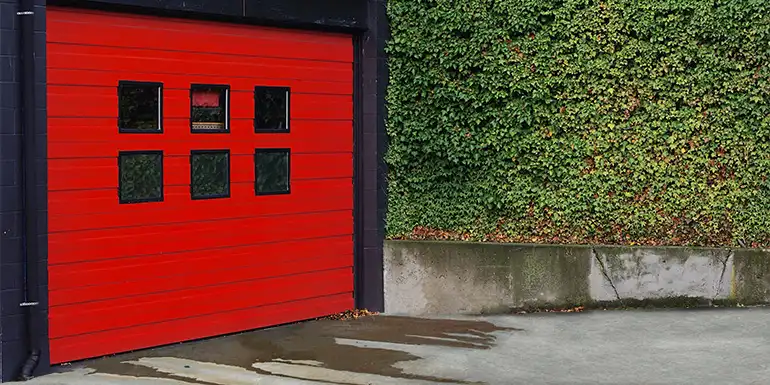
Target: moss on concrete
[
  {"x": 525, "y": 273},
  {"x": 631, "y": 303},
  {"x": 751, "y": 280}
]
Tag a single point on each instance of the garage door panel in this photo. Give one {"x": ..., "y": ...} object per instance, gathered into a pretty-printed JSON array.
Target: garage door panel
[
  {"x": 95, "y": 129},
  {"x": 68, "y": 174},
  {"x": 88, "y": 150},
  {"x": 199, "y": 60},
  {"x": 336, "y": 199},
  {"x": 77, "y": 202},
  {"x": 111, "y": 243},
  {"x": 322, "y": 107},
  {"x": 75, "y": 102},
  {"x": 82, "y": 16},
  {"x": 82, "y": 102},
  {"x": 105, "y": 78},
  {"x": 311, "y": 195},
  {"x": 133, "y": 311},
  {"x": 129, "y": 36},
  {"x": 128, "y": 276},
  {"x": 206, "y": 278},
  {"x": 96, "y": 58},
  {"x": 74, "y": 203},
  {"x": 98, "y": 138},
  {"x": 315, "y": 166},
  {"x": 102, "y": 173},
  {"x": 122, "y": 340},
  {"x": 205, "y": 228},
  {"x": 159, "y": 266}
]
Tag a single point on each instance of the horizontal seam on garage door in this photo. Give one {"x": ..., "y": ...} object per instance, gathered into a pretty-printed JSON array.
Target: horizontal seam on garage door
[
  {"x": 202, "y": 221},
  {"x": 224, "y": 283},
  {"x": 138, "y": 48},
  {"x": 202, "y": 249},
  {"x": 205, "y": 314},
  {"x": 206, "y": 75}
]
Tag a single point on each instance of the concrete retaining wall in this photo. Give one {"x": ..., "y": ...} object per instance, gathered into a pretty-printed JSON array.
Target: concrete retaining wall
[{"x": 453, "y": 277}]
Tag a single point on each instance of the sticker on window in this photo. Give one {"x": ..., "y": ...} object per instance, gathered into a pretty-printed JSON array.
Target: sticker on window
[{"x": 209, "y": 108}]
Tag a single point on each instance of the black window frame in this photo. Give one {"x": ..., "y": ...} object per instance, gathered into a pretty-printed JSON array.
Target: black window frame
[
  {"x": 262, "y": 130},
  {"x": 228, "y": 96},
  {"x": 121, "y": 154},
  {"x": 133, "y": 83},
  {"x": 229, "y": 174},
  {"x": 258, "y": 151}
]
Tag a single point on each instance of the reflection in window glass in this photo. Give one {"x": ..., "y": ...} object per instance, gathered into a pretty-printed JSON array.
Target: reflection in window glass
[
  {"x": 209, "y": 108},
  {"x": 271, "y": 109},
  {"x": 141, "y": 176},
  {"x": 139, "y": 107},
  {"x": 272, "y": 171},
  {"x": 210, "y": 174}
]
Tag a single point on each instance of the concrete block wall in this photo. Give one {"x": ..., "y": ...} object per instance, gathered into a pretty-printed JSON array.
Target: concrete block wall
[
  {"x": 451, "y": 278},
  {"x": 13, "y": 339}
]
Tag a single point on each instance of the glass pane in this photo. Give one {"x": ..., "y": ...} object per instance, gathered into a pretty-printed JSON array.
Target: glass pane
[
  {"x": 139, "y": 107},
  {"x": 271, "y": 108},
  {"x": 210, "y": 174},
  {"x": 141, "y": 177},
  {"x": 208, "y": 110},
  {"x": 272, "y": 169}
]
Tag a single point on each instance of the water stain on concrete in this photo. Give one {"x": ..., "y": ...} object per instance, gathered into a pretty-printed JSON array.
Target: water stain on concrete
[
  {"x": 482, "y": 278},
  {"x": 316, "y": 341},
  {"x": 751, "y": 283}
]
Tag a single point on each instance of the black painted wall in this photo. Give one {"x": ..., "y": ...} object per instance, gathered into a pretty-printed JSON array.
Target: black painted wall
[
  {"x": 364, "y": 18},
  {"x": 13, "y": 344},
  {"x": 371, "y": 149}
]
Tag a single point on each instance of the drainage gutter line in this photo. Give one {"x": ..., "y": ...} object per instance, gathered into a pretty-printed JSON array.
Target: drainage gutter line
[{"x": 26, "y": 17}]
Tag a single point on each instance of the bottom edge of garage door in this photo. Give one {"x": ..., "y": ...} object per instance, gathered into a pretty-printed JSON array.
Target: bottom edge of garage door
[{"x": 93, "y": 345}]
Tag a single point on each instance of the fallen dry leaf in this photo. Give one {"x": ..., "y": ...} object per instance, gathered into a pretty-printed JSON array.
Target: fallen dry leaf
[{"x": 350, "y": 315}]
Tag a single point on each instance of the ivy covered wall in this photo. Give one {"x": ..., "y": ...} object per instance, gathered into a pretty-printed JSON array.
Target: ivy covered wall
[{"x": 577, "y": 121}]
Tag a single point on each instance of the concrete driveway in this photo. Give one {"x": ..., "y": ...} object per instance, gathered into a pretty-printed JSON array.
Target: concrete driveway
[{"x": 604, "y": 347}]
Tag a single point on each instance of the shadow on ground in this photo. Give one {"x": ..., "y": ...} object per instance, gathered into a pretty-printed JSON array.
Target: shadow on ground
[{"x": 316, "y": 342}]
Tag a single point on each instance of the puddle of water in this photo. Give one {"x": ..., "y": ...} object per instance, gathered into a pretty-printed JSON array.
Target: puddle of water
[
  {"x": 211, "y": 373},
  {"x": 316, "y": 345}
]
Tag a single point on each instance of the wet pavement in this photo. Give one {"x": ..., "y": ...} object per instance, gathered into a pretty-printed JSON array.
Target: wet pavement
[{"x": 604, "y": 347}]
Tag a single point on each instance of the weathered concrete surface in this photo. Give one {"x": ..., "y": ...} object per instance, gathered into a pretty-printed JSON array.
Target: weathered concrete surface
[
  {"x": 452, "y": 277},
  {"x": 449, "y": 278},
  {"x": 751, "y": 280},
  {"x": 643, "y": 272},
  {"x": 611, "y": 347}
]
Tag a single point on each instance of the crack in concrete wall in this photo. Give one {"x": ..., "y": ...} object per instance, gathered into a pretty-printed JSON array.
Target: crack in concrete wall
[
  {"x": 718, "y": 287},
  {"x": 604, "y": 272}
]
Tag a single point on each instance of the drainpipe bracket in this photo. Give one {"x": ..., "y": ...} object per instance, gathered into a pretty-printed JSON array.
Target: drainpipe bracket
[{"x": 28, "y": 304}]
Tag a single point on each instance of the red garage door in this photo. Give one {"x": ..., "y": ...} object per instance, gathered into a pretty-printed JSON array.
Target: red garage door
[{"x": 200, "y": 179}]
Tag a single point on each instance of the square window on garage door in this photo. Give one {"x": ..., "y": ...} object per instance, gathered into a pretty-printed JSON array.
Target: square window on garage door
[
  {"x": 210, "y": 174},
  {"x": 140, "y": 176},
  {"x": 209, "y": 108},
  {"x": 140, "y": 107},
  {"x": 272, "y": 171},
  {"x": 271, "y": 109}
]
